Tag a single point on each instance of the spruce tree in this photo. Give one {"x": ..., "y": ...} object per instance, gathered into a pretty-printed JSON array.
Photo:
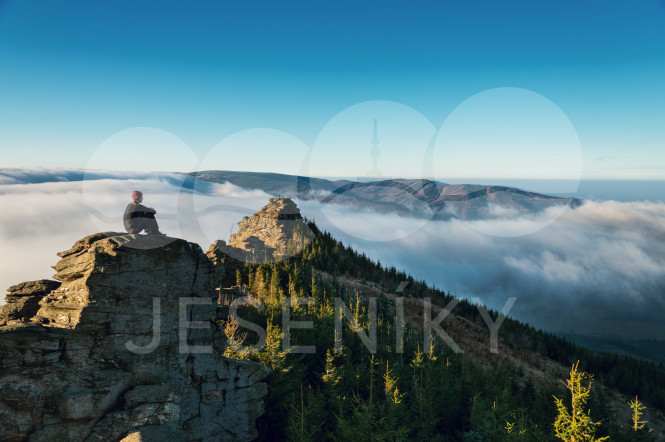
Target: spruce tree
[{"x": 576, "y": 425}]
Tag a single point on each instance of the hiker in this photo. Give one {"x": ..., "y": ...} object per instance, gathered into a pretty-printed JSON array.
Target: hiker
[{"x": 138, "y": 217}]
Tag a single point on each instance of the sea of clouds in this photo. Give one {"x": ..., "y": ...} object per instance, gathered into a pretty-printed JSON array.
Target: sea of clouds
[{"x": 599, "y": 268}]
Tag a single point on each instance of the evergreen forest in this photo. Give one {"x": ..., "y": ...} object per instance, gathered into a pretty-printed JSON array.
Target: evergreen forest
[{"x": 318, "y": 390}]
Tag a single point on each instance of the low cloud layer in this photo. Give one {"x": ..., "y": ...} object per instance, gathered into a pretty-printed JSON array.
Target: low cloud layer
[
  {"x": 38, "y": 220},
  {"x": 599, "y": 268}
]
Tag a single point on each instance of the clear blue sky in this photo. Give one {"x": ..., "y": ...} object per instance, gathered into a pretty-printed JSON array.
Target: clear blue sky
[{"x": 75, "y": 74}]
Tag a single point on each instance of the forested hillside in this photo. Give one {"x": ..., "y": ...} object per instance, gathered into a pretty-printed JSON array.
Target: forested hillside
[{"x": 356, "y": 394}]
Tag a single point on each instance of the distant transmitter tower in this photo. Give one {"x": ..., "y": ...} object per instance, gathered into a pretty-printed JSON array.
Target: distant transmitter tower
[{"x": 374, "y": 152}]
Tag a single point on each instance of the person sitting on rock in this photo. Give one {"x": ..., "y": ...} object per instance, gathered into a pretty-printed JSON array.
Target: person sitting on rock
[{"x": 138, "y": 217}]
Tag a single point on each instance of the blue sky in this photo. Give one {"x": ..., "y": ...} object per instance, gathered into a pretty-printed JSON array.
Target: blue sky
[{"x": 173, "y": 85}]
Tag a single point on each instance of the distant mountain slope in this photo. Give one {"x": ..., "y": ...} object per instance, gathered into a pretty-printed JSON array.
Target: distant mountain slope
[
  {"x": 416, "y": 197},
  {"x": 647, "y": 349},
  {"x": 273, "y": 183},
  {"x": 409, "y": 197}
]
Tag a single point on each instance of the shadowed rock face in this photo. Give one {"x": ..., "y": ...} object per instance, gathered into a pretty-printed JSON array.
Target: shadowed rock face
[{"x": 85, "y": 365}]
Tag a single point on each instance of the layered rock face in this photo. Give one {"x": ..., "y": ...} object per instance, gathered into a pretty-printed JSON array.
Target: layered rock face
[
  {"x": 124, "y": 348},
  {"x": 23, "y": 300},
  {"x": 274, "y": 232}
]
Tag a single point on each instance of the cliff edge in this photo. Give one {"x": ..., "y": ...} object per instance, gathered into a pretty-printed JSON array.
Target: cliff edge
[{"x": 122, "y": 347}]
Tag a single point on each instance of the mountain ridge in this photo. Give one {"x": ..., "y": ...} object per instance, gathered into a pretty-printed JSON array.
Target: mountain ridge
[{"x": 411, "y": 197}]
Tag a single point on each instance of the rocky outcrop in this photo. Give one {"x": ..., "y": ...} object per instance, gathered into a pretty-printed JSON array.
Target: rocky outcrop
[
  {"x": 226, "y": 260},
  {"x": 22, "y": 301},
  {"x": 124, "y": 348},
  {"x": 275, "y": 232}
]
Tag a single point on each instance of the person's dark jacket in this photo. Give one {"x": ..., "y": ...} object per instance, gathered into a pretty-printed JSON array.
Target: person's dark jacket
[{"x": 133, "y": 214}]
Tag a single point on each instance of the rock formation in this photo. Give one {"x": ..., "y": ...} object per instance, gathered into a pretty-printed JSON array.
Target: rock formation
[
  {"x": 123, "y": 348},
  {"x": 23, "y": 300},
  {"x": 274, "y": 232},
  {"x": 227, "y": 257}
]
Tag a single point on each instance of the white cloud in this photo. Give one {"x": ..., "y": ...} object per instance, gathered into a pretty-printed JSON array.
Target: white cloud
[
  {"x": 598, "y": 268},
  {"x": 38, "y": 220}
]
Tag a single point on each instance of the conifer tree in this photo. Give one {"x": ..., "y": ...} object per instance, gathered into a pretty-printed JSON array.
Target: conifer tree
[
  {"x": 331, "y": 376},
  {"x": 393, "y": 396},
  {"x": 300, "y": 428},
  {"x": 637, "y": 408},
  {"x": 250, "y": 274},
  {"x": 316, "y": 288},
  {"x": 275, "y": 281},
  {"x": 271, "y": 355},
  {"x": 576, "y": 425},
  {"x": 235, "y": 339},
  {"x": 238, "y": 277}
]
